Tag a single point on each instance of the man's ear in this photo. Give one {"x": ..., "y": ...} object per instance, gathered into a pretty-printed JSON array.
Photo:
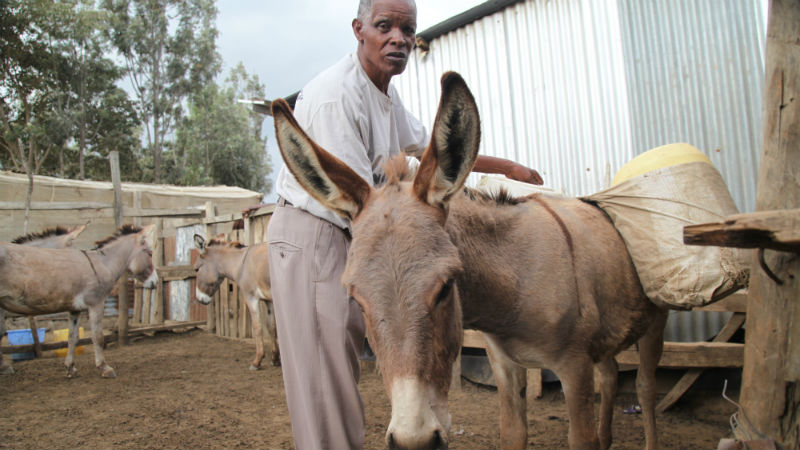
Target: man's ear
[{"x": 357, "y": 25}]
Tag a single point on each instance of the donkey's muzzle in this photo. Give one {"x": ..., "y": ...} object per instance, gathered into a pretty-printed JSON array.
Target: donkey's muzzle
[{"x": 436, "y": 442}]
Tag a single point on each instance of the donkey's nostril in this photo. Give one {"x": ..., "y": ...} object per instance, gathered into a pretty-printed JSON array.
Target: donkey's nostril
[
  {"x": 390, "y": 441},
  {"x": 438, "y": 443}
]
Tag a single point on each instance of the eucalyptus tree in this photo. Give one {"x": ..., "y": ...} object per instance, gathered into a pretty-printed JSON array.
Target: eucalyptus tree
[
  {"x": 221, "y": 141},
  {"x": 169, "y": 48}
]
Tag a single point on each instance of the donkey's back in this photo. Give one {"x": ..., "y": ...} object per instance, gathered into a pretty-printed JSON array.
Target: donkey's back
[{"x": 42, "y": 280}]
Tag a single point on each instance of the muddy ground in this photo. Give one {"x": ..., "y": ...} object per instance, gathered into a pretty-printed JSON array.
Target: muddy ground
[{"x": 193, "y": 390}]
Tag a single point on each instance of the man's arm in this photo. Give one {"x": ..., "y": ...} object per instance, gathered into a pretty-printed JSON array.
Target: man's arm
[{"x": 490, "y": 164}]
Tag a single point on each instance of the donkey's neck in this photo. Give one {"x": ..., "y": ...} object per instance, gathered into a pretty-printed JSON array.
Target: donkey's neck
[
  {"x": 484, "y": 233},
  {"x": 111, "y": 260},
  {"x": 230, "y": 262}
]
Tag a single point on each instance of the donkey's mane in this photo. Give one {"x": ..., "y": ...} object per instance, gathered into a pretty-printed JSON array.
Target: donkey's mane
[
  {"x": 121, "y": 231},
  {"x": 54, "y": 231},
  {"x": 500, "y": 197},
  {"x": 224, "y": 243},
  {"x": 396, "y": 170}
]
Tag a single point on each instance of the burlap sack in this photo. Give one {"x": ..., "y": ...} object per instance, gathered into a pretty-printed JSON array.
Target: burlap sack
[{"x": 650, "y": 211}]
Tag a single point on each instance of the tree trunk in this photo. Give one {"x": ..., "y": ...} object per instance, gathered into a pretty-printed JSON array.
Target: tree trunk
[{"x": 771, "y": 372}]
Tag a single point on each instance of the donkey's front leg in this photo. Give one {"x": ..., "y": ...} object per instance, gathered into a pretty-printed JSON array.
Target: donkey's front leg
[
  {"x": 72, "y": 341},
  {"x": 5, "y": 368},
  {"x": 512, "y": 381},
  {"x": 258, "y": 333},
  {"x": 577, "y": 381},
  {"x": 98, "y": 340}
]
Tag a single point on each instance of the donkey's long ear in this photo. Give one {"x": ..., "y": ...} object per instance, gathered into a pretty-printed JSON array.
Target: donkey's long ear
[
  {"x": 74, "y": 233},
  {"x": 324, "y": 176},
  {"x": 454, "y": 143},
  {"x": 200, "y": 243}
]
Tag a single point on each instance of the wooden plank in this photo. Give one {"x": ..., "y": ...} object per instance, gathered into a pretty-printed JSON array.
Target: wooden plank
[
  {"x": 226, "y": 316},
  {"x": 147, "y": 304},
  {"x": 236, "y": 331},
  {"x": 160, "y": 212},
  {"x": 687, "y": 380},
  {"x": 474, "y": 339},
  {"x": 736, "y": 302},
  {"x": 158, "y": 261},
  {"x": 55, "y": 206},
  {"x": 139, "y": 295},
  {"x": 109, "y": 337},
  {"x": 683, "y": 355},
  {"x": 777, "y": 230}
]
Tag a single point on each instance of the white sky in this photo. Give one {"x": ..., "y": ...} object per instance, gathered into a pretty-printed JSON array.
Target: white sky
[{"x": 287, "y": 42}]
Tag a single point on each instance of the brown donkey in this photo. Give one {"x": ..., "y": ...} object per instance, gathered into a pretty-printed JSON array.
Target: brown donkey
[
  {"x": 56, "y": 237},
  {"x": 43, "y": 281},
  {"x": 548, "y": 280},
  {"x": 248, "y": 267}
]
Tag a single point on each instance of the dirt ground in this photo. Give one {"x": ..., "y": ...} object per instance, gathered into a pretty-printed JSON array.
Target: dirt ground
[{"x": 193, "y": 390}]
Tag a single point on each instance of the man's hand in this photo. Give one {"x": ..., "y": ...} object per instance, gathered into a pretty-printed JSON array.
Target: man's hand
[
  {"x": 512, "y": 170},
  {"x": 521, "y": 173}
]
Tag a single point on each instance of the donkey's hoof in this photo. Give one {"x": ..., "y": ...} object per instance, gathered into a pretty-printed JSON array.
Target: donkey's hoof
[
  {"x": 276, "y": 363},
  {"x": 108, "y": 372},
  {"x": 72, "y": 373},
  {"x": 254, "y": 367}
]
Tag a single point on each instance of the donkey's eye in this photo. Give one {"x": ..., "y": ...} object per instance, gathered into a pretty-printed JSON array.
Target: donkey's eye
[{"x": 444, "y": 293}]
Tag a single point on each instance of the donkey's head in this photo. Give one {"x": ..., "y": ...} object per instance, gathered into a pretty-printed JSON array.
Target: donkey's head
[
  {"x": 208, "y": 276},
  {"x": 402, "y": 264},
  {"x": 140, "y": 264}
]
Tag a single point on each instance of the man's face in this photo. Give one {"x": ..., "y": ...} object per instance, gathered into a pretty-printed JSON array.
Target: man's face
[{"x": 386, "y": 40}]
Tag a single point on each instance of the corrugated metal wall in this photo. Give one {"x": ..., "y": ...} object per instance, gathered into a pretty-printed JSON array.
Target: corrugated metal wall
[
  {"x": 696, "y": 75},
  {"x": 549, "y": 80},
  {"x": 577, "y": 88}
]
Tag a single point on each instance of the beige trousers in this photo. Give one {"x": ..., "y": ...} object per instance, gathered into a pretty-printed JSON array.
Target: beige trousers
[{"x": 320, "y": 330}]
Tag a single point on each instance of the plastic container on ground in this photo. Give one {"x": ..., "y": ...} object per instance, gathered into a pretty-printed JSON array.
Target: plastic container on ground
[
  {"x": 62, "y": 335},
  {"x": 24, "y": 337}
]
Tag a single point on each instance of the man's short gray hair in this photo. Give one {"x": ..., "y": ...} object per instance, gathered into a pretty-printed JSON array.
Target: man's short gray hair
[{"x": 364, "y": 10}]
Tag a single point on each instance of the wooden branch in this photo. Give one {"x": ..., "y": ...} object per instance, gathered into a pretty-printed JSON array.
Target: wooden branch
[{"x": 776, "y": 230}]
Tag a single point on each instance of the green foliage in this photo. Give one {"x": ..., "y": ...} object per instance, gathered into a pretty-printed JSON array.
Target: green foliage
[
  {"x": 62, "y": 109},
  {"x": 220, "y": 142},
  {"x": 169, "y": 48},
  {"x": 58, "y": 98}
]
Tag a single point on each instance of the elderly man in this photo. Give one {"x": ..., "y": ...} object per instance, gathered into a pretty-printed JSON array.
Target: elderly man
[{"x": 352, "y": 110}]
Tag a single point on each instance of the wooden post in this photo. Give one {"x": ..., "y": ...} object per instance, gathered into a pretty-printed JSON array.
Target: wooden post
[
  {"x": 158, "y": 261},
  {"x": 37, "y": 346},
  {"x": 122, "y": 299},
  {"x": 770, "y": 394},
  {"x": 139, "y": 293},
  {"x": 214, "y": 308}
]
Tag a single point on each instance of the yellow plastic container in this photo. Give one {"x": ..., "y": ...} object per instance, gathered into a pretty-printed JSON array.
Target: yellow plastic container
[
  {"x": 62, "y": 335},
  {"x": 664, "y": 156}
]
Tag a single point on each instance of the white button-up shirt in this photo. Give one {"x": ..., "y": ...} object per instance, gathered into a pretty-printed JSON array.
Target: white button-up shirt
[{"x": 347, "y": 115}]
